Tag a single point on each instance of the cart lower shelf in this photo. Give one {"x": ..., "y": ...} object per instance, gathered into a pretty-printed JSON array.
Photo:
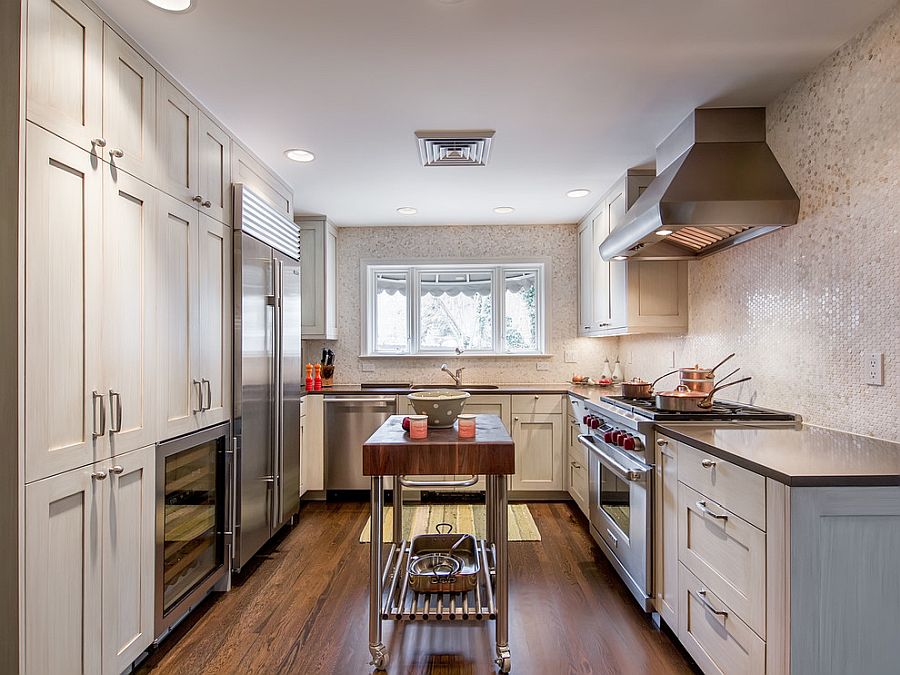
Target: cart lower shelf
[{"x": 401, "y": 603}]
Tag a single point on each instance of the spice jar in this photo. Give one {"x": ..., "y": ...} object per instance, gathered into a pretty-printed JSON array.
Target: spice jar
[
  {"x": 466, "y": 425},
  {"x": 418, "y": 426}
]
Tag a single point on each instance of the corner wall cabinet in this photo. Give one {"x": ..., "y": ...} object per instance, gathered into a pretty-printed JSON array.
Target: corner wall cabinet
[
  {"x": 619, "y": 297},
  {"x": 318, "y": 265}
]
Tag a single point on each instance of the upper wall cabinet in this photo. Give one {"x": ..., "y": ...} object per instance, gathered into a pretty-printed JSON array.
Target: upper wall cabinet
[
  {"x": 129, "y": 108},
  {"x": 245, "y": 169},
  {"x": 178, "y": 124},
  {"x": 64, "y": 85},
  {"x": 622, "y": 298},
  {"x": 214, "y": 177},
  {"x": 318, "y": 265}
]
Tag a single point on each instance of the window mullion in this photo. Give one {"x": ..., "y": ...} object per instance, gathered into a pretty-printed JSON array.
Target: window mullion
[{"x": 499, "y": 312}]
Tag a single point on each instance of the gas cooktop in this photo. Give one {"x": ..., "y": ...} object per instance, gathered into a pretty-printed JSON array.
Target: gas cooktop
[{"x": 720, "y": 410}]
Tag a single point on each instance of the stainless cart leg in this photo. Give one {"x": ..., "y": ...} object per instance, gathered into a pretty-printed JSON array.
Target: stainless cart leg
[
  {"x": 502, "y": 588},
  {"x": 489, "y": 508},
  {"x": 398, "y": 511},
  {"x": 376, "y": 508}
]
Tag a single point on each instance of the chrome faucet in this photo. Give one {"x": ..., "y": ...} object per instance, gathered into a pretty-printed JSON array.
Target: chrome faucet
[{"x": 457, "y": 378}]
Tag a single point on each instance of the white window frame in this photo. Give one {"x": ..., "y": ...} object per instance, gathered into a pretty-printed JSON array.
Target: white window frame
[{"x": 416, "y": 268}]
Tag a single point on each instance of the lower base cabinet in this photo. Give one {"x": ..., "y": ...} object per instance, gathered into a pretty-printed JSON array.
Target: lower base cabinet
[{"x": 89, "y": 538}]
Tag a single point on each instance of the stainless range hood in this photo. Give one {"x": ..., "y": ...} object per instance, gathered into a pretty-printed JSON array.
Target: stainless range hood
[{"x": 717, "y": 185}]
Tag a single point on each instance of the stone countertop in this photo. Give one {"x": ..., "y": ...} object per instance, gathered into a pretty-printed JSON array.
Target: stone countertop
[
  {"x": 800, "y": 457},
  {"x": 581, "y": 391}
]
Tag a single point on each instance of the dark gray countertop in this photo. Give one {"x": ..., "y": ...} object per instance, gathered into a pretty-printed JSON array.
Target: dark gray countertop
[
  {"x": 584, "y": 392},
  {"x": 806, "y": 457}
]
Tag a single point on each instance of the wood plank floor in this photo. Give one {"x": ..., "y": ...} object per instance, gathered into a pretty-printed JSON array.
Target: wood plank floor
[{"x": 302, "y": 608}]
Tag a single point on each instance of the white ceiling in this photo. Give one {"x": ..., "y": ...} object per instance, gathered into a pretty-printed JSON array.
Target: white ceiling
[{"x": 577, "y": 90}]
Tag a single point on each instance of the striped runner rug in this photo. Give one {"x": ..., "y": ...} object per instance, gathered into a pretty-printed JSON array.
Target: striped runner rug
[{"x": 422, "y": 519}]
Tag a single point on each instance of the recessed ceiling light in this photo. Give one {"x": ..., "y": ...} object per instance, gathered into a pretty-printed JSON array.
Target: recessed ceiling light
[
  {"x": 575, "y": 194},
  {"x": 407, "y": 211},
  {"x": 298, "y": 155},
  {"x": 620, "y": 257},
  {"x": 664, "y": 233},
  {"x": 172, "y": 5},
  {"x": 504, "y": 209}
]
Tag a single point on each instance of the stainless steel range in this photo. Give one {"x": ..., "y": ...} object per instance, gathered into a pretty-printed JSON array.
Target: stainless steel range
[{"x": 620, "y": 436}]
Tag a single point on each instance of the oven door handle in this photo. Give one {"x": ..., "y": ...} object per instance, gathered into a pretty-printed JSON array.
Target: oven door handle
[{"x": 630, "y": 474}]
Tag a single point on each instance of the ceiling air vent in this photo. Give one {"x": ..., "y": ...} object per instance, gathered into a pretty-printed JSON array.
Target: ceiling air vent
[{"x": 454, "y": 148}]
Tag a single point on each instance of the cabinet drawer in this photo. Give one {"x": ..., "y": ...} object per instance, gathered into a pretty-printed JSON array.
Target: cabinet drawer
[
  {"x": 576, "y": 450},
  {"x": 537, "y": 403},
  {"x": 726, "y": 553},
  {"x": 577, "y": 481},
  {"x": 717, "y": 639},
  {"x": 302, "y": 406},
  {"x": 740, "y": 491}
]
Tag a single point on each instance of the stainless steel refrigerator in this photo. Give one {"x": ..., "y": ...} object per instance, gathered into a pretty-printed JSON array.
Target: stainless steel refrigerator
[{"x": 267, "y": 372}]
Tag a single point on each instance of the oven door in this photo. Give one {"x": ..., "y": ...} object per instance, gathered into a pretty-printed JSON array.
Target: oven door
[{"x": 619, "y": 488}]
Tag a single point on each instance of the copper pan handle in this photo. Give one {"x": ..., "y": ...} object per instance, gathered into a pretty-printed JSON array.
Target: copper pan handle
[
  {"x": 720, "y": 363},
  {"x": 708, "y": 401},
  {"x": 653, "y": 384}
]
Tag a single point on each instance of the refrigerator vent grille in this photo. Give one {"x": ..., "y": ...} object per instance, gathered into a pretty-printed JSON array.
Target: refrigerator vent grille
[
  {"x": 454, "y": 148},
  {"x": 256, "y": 217}
]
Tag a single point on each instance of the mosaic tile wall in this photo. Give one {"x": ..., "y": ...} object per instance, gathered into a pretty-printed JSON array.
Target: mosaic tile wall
[
  {"x": 557, "y": 242},
  {"x": 801, "y": 306}
]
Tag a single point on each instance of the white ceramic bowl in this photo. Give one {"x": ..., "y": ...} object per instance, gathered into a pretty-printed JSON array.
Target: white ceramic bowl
[{"x": 441, "y": 405}]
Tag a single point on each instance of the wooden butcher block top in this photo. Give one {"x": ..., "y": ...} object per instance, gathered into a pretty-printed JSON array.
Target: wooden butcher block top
[{"x": 391, "y": 452}]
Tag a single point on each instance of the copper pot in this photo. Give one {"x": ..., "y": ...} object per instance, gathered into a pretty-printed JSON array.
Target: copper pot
[
  {"x": 683, "y": 399},
  {"x": 638, "y": 388},
  {"x": 701, "y": 379}
]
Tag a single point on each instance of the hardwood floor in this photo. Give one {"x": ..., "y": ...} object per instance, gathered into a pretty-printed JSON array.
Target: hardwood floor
[{"x": 302, "y": 608}]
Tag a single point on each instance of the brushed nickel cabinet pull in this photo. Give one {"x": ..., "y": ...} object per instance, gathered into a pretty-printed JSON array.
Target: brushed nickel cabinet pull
[
  {"x": 706, "y": 603},
  {"x": 116, "y": 469},
  {"x": 99, "y": 142},
  {"x": 98, "y": 475},
  {"x": 116, "y": 153},
  {"x": 96, "y": 396},
  {"x": 703, "y": 508},
  {"x": 118, "y": 425},
  {"x": 199, "y": 385},
  {"x": 707, "y": 463}
]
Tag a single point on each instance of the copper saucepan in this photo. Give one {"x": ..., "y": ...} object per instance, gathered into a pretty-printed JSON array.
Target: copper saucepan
[
  {"x": 685, "y": 400},
  {"x": 701, "y": 379},
  {"x": 637, "y": 388}
]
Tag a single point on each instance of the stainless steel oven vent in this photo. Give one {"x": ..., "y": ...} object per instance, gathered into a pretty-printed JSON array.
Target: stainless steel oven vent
[{"x": 454, "y": 148}]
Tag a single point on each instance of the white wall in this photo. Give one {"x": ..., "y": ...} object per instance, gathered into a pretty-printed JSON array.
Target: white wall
[
  {"x": 557, "y": 242},
  {"x": 801, "y": 306}
]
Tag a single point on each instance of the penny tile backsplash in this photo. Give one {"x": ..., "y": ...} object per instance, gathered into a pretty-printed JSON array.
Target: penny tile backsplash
[{"x": 803, "y": 305}]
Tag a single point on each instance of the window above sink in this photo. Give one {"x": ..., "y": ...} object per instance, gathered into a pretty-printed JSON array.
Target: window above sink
[{"x": 476, "y": 308}]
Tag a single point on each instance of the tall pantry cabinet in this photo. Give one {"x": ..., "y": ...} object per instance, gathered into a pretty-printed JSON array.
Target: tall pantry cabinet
[{"x": 122, "y": 245}]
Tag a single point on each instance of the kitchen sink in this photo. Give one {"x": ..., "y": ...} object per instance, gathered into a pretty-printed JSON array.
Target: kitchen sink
[{"x": 464, "y": 387}]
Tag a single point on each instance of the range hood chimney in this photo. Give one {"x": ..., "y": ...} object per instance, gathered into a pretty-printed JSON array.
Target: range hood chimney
[{"x": 717, "y": 185}]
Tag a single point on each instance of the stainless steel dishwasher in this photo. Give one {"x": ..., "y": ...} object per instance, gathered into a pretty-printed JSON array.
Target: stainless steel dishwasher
[{"x": 349, "y": 421}]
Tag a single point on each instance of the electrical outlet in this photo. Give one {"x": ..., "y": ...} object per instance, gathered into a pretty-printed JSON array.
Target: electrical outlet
[
  {"x": 367, "y": 367},
  {"x": 571, "y": 356},
  {"x": 673, "y": 359},
  {"x": 630, "y": 357},
  {"x": 873, "y": 368},
  {"x": 542, "y": 365}
]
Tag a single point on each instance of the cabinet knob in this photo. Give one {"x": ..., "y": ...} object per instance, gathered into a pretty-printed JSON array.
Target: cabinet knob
[
  {"x": 116, "y": 469},
  {"x": 99, "y": 142},
  {"x": 206, "y": 204},
  {"x": 116, "y": 153},
  {"x": 197, "y": 198},
  {"x": 515, "y": 419},
  {"x": 707, "y": 463},
  {"x": 537, "y": 397},
  {"x": 661, "y": 443},
  {"x": 98, "y": 475}
]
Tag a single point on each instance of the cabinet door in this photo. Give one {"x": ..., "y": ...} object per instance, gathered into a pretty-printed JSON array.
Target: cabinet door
[
  {"x": 128, "y": 554},
  {"x": 62, "y": 305},
  {"x": 128, "y": 326},
  {"x": 129, "y": 108},
  {"x": 63, "y": 524},
  {"x": 214, "y": 271},
  {"x": 666, "y": 532},
  {"x": 312, "y": 290},
  {"x": 489, "y": 404},
  {"x": 577, "y": 482},
  {"x": 330, "y": 281},
  {"x": 215, "y": 170},
  {"x": 539, "y": 452},
  {"x": 178, "y": 318},
  {"x": 64, "y": 69},
  {"x": 178, "y": 126},
  {"x": 601, "y": 310},
  {"x": 245, "y": 169},
  {"x": 618, "y": 269},
  {"x": 586, "y": 253}
]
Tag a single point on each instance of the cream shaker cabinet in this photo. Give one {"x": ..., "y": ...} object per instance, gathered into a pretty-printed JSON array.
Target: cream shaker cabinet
[
  {"x": 214, "y": 171},
  {"x": 619, "y": 297},
  {"x": 194, "y": 273},
  {"x": 89, "y": 541},
  {"x": 539, "y": 451},
  {"x": 129, "y": 108},
  {"x": 65, "y": 397},
  {"x": 318, "y": 265},
  {"x": 64, "y": 80},
  {"x": 665, "y": 531},
  {"x": 178, "y": 129},
  {"x": 128, "y": 311}
]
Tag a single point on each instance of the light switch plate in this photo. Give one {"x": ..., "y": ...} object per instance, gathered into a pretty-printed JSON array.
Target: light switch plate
[
  {"x": 542, "y": 365},
  {"x": 571, "y": 356},
  {"x": 873, "y": 368},
  {"x": 367, "y": 367}
]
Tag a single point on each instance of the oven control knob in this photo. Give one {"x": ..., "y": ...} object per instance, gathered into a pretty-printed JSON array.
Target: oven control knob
[
  {"x": 622, "y": 438},
  {"x": 595, "y": 423},
  {"x": 629, "y": 443},
  {"x": 585, "y": 420},
  {"x": 608, "y": 436},
  {"x": 617, "y": 438}
]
